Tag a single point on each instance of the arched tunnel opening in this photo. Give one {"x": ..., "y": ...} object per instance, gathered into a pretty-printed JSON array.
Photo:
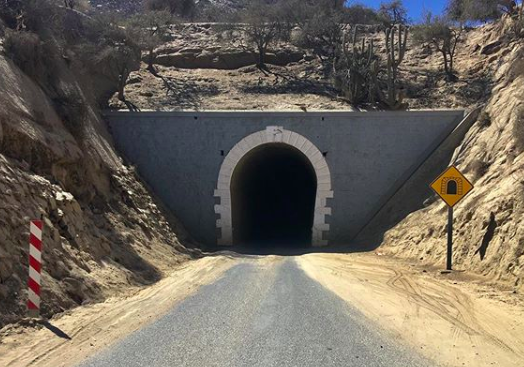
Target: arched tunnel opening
[{"x": 273, "y": 190}]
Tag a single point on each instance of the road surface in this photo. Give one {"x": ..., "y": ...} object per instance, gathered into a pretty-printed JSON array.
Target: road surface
[{"x": 270, "y": 315}]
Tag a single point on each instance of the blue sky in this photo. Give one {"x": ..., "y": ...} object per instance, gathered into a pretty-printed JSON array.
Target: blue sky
[{"x": 415, "y": 7}]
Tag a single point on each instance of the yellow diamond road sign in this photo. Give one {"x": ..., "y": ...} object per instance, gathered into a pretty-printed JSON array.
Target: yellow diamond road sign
[{"x": 452, "y": 186}]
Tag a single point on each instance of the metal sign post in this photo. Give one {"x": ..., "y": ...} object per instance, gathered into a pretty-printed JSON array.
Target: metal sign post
[
  {"x": 451, "y": 186},
  {"x": 450, "y": 239}
]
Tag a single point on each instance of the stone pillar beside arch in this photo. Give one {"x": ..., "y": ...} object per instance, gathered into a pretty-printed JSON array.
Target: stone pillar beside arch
[{"x": 274, "y": 134}]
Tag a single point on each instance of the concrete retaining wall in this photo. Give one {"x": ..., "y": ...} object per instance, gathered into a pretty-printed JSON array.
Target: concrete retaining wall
[{"x": 369, "y": 155}]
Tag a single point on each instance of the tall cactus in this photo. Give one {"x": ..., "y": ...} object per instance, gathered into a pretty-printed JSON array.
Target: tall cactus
[
  {"x": 396, "y": 44},
  {"x": 352, "y": 69}
]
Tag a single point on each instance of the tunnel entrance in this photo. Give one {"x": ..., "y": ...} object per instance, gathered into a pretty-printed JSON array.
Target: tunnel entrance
[{"x": 273, "y": 190}]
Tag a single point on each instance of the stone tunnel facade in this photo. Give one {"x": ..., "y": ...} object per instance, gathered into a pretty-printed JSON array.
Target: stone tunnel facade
[{"x": 360, "y": 159}]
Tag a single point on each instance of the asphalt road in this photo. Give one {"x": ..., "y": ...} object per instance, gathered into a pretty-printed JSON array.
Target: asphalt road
[{"x": 260, "y": 316}]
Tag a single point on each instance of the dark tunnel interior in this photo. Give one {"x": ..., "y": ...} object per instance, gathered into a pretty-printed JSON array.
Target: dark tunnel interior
[{"x": 273, "y": 192}]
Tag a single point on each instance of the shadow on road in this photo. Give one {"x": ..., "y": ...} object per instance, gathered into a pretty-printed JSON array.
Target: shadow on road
[{"x": 282, "y": 250}]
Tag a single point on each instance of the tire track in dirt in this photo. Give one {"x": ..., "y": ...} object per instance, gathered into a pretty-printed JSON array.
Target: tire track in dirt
[
  {"x": 454, "y": 307},
  {"x": 437, "y": 316}
]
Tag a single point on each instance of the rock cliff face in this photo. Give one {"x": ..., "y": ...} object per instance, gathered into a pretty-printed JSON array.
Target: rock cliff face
[
  {"x": 204, "y": 46},
  {"x": 102, "y": 229},
  {"x": 489, "y": 231}
]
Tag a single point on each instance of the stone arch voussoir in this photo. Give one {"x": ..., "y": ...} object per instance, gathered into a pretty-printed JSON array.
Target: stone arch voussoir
[{"x": 274, "y": 134}]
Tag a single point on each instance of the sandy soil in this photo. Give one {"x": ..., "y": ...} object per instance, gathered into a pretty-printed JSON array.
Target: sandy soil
[
  {"x": 85, "y": 330},
  {"x": 453, "y": 319},
  {"x": 456, "y": 319}
]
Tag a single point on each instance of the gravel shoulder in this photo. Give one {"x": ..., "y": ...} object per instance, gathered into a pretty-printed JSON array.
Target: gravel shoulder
[
  {"x": 74, "y": 335},
  {"x": 455, "y": 319}
]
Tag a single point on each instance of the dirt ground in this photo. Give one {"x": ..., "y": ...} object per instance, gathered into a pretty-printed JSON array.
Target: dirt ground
[
  {"x": 243, "y": 89},
  {"x": 76, "y": 334},
  {"x": 456, "y": 319}
]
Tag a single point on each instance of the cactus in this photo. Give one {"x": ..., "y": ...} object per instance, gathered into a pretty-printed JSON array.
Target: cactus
[
  {"x": 396, "y": 43},
  {"x": 352, "y": 69}
]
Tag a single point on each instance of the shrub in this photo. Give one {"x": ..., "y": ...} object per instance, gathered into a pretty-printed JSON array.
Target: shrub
[
  {"x": 518, "y": 22},
  {"x": 360, "y": 14},
  {"x": 9, "y": 10},
  {"x": 214, "y": 13},
  {"x": 480, "y": 166},
  {"x": 466, "y": 11},
  {"x": 183, "y": 8},
  {"x": 484, "y": 120},
  {"x": 30, "y": 54},
  {"x": 71, "y": 107}
]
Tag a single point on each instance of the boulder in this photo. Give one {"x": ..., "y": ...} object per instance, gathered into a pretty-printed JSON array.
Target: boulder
[
  {"x": 176, "y": 60},
  {"x": 236, "y": 59}
]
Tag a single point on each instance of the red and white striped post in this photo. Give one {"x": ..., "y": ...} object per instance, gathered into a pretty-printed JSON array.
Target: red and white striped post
[{"x": 35, "y": 268}]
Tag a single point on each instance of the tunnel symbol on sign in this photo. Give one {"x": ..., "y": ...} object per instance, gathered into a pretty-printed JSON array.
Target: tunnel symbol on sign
[{"x": 452, "y": 186}]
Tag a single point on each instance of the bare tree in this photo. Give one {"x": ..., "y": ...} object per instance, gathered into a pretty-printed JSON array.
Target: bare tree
[
  {"x": 262, "y": 26},
  {"x": 393, "y": 13},
  {"x": 148, "y": 31},
  {"x": 440, "y": 32},
  {"x": 322, "y": 24}
]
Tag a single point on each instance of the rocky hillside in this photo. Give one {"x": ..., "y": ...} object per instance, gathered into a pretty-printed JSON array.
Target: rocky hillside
[
  {"x": 489, "y": 235},
  {"x": 203, "y": 67},
  {"x": 488, "y": 223},
  {"x": 103, "y": 230}
]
